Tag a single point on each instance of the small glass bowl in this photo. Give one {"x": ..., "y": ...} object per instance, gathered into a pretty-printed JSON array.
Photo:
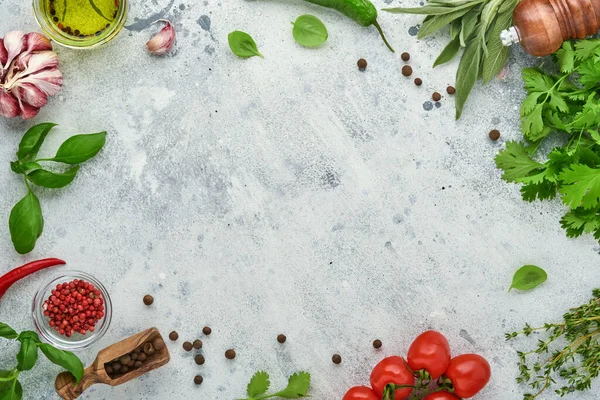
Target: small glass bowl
[
  {"x": 60, "y": 37},
  {"x": 77, "y": 341}
]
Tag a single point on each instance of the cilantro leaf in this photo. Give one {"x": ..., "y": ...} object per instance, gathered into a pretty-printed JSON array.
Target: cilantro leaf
[
  {"x": 566, "y": 57},
  {"x": 515, "y": 162},
  {"x": 578, "y": 221},
  {"x": 557, "y": 103},
  {"x": 259, "y": 384},
  {"x": 532, "y": 125},
  {"x": 529, "y": 103},
  {"x": 542, "y": 191},
  {"x": 298, "y": 385},
  {"x": 587, "y": 48},
  {"x": 589, "y": 73},
  {"x": 536, "y": 81},
  {"x": 581, "y": 186}
]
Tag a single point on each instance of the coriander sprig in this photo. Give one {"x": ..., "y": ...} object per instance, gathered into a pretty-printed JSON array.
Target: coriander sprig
[
  {"x": 298, "y": 385},
  {"x": 10, "y": 387},
  {"x": 568, "y": 355}
]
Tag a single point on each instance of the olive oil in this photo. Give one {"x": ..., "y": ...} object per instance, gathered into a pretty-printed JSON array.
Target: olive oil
[{"x": 82, "y": 18}]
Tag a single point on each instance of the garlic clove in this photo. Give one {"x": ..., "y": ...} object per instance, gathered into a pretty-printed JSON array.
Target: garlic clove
[
  {"x": 31, "y": 95},
  {"x": 37, "y": 42},
  {"x": 14, "y": 43},
  {"x": 49, "y": 81},
  {"x": 34, "y": 62},
  {"x": 3, "y": 55},
  {"x": 28, "y": 111},
  {"x": 9, "y": 106},
  {"x": 162, "y": 42}
]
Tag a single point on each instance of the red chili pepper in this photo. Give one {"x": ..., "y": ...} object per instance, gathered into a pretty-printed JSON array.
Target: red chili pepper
[{"x": 8, "y": 279}]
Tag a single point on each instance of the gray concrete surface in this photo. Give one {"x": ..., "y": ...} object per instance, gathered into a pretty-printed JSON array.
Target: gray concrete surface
[{"x": 291, "y": 194}]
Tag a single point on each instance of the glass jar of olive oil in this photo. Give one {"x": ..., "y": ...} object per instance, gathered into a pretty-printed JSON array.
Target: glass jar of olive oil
[{"x": 81, "y": 23}]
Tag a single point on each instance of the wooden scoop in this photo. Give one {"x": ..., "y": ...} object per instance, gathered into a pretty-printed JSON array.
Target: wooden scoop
[{"x": 95, "y": 373}]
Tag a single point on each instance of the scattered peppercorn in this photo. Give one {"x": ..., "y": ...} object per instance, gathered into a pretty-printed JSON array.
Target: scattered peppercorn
[
  {"x": 405, "y": 56},
  {"x": 197, "y": 344},
  {"x": 377, "y": 343},
  {"x": 418, "y": 81},
  {"x": 450, "y": 90},
  {"x": 494, "y": 134},
  {"x": 148, "y": 299},
  {"x": 199, "y": 359},
  {"x": 281, "y": 338},
  {"x": 436, "y": 96},
  {"x": 206, "y": 330},
  {"x": 187, "y": 346},
  {"x": 198, "y": 380},
  {"x": 362, "y": 64},
  {"x": 173, "y": 336},
  {"x": 230, "y": 354},
  {"x": 337, "y": 359},
  {"x": 407, "y": 70}
]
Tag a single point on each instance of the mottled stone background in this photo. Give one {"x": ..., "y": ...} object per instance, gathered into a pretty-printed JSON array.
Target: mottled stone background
[{"x": 291, "y": 194}]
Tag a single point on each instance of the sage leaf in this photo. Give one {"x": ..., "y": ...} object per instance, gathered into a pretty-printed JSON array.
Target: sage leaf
[
  {"x": 7, "y": 332},
  {"x": 32, "y": 141},
  {"x": 498, "y": 54},
  {"x": 63, "y": 358},
  {"x": 27, "y": 355},
  {"x": 449, "y": 52},
  {"x": 242, "y": 45},
  {"x": 455, "y": 28},
  {"x": 467, "y": 74},
  {"x": 52, "y": 180},
  {"x": 439, "y": 21},
  {"x": 309, "y": 31},
  {"x": 467, "y": 24},
  {"x": 80, "y": 148},
  {"x": 11, "y": 390},
  {"x": 528, "y": 277},
  {"x": 432, "y": 10},
  {"x": 26, "y": 223}
]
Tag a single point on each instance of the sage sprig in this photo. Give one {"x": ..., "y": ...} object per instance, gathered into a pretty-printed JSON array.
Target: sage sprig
[
  {"x": 475, "y": 26},
  {"x": 26, "y": 221},
  {"x": 10, "y": 387}
]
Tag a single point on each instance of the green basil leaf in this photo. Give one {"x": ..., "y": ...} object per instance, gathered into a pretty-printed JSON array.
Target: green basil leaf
[
  {"x": 65, "y": 359},
  {"x": 498, "y": 54},
  {"x": 11, "y": 390},
  {"x": 467, "y": 74},
  {"x": 32, "y": 141},
  {"x": 26, "y": 223},
  {"x": 449, "y": 52},
  {"x": 309, "y": 31},
  {"x": 80, "y": 148},
  {"x": 7, "y": 332},
  {"x": 242, "y": 45},
  {"x": 19, "y": 168},
  {"x": 528, "y": 277},
  {"x": 52, "y": 180},
  {"x": 31, "y": 335},
  {"x": 439, "y": 21},
  {"x": 27, "y": 355}
]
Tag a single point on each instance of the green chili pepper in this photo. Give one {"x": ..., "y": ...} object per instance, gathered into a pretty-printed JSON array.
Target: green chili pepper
[{"x": 361, "y": 11}]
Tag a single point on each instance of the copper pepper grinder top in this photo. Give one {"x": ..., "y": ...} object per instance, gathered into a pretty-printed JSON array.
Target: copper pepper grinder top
[{"x": 541, "y": 26}]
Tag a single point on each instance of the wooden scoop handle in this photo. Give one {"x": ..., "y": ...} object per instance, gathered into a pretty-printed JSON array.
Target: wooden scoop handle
[{"x": 66, "y": 388}]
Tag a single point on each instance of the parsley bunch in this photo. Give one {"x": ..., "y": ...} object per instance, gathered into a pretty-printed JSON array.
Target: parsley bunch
[
  {"x": 568, "y": 103},
  {"x": 298, "y": 385},
  {"x": 569, "y": 355}
]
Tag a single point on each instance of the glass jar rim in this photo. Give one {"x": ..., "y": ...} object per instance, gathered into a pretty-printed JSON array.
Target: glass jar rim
[
  {"x": 80, "y": 43},
  {"x": 41, "y": 322}
]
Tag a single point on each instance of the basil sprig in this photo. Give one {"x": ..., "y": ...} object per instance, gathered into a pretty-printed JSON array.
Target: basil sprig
[
  {"x": 10, "y": 387},
  {"x": 26, "y": 221}
]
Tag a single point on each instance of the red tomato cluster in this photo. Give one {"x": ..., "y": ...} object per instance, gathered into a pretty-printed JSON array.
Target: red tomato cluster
[{"x": 428, "y": 359}]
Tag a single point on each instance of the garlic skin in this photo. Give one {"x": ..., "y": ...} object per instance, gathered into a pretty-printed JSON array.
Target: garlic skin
[
  {"x": 503, "y": 74},
  {"x": 162, "y": 42},
  {"x": 28, "y": 74}
]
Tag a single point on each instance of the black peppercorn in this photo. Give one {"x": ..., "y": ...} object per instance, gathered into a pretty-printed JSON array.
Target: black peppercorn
[
  {"x": 173, "y": 336},
  {"x": 377, "y": 343},
  {"x": 158, "y": 343},
  {"x": 198, "y": 380},
  {"x": 197, "y": 344},
  {"x": 494, "y": 134},
  {"x": 148, "y": 299},
  {"x": 450, "y": 90},
  {"x": 206, "y": 330},
  {"x": 407, "y": 70},
  {"x": 418, "y": 81},
  {"x": 125, "y": 359},
  {"x": 230, "y": 354},
  {"x": 142, "y": 357},
  {"x": 281, "y": 338},
  {"x": 187, "y": 346},
  {"x": 199, "y": 359},
  {"x": 362, "y": 64},
  {"x": 337, "y": 359},
  {"x": 405, "y": 56},
  {"x": 436, "y": 96},
  {"x": 138, "y": 364}
]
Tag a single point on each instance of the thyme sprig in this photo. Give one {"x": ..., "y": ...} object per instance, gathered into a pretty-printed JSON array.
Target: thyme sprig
[{"x": 568, "y": 356}]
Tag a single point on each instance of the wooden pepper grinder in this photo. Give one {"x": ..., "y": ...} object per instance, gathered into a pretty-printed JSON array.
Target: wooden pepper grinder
[{"x": 541, "y": 26}]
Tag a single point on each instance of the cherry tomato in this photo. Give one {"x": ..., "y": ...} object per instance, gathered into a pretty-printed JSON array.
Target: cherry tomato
[
  {"x": 361, "y": 393},
  {"x": 441, "y": 396},
  {"x": 392, "y": 370},
  {"x": 469, "y": 374},
  {"x": 430, "y": 351}
]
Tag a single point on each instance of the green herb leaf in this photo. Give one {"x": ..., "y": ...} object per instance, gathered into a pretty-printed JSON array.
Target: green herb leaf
[
  {"x": 515, "y": 162},
  {"x": 7, "y": 332},
  {"x": 80, "y": 148},
  {"x": 259, "y": 384},
  {"x": 65, "y": 359},
  {"x": 242, "y": 45},
  {"x": 298, "y": 385},
  {"x": 449, "y": 52},
  {"x": 19, "y": 168},
  {"x": 528, "y": 277},
  {"x": 26, "y": 223},
  {"x": 566, "y": 57},
  {"x": 309, "y": 31},
  {"x": 581, "y": 186},
  {"x": 467, "y": 74},
  {"x": 48, "y": 179},
  {"x": 498, "y": 54},
  {"x": 97, "y": 10},
  {"x": 11, "y": 390},
  {"x": 467, "y": 25},
  {"x": 439, "y": 21},
  {"x": 27, "y": 355},
  {"x": 431, "y": 9},
  {"x": 33, "y": 140}
]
